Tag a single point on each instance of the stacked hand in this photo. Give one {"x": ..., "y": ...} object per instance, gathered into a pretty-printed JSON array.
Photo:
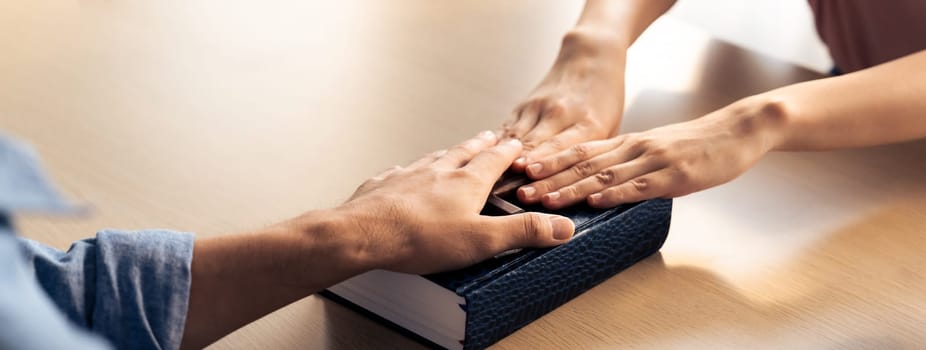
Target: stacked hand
[
  {"x": 425, "y": 218},
  {"x": 580, "y": 99}
]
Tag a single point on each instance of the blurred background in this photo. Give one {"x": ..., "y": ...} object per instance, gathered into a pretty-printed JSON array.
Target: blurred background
[{"x": 779, "y": 28}]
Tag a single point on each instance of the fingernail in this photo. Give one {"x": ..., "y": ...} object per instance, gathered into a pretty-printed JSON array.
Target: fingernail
[
  {"x": 594, "y": 198},
  {"x": 563, "y": 228},
  {"x": 535, "y": 168},
  {"x": 514, "y": 142},
  {"x": 528, "y": 191},
  {"x": 553, "y": 196},
  {"x": 488, "y": 135}
]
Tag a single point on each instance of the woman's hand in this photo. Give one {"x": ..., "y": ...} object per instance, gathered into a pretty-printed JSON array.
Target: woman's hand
[
  {"x": 580, "y": 99},
  {"x": 669, "y": 161}
]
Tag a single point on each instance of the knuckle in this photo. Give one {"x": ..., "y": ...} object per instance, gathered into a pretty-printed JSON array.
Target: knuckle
[
  {"x": 532, "y": 105},
  {"x": 529, "y": 145},
  {"x": 608, "y": 198},
  {"x": 552, "y": 164},
  {"x": 615, "y": 142},
  {"x": 536, "y": 101},
  {"x": 532, "y": 227},
  {"x": 660, "y": 155},
  {"x": 569, "y": 192},
  {"x": 468, "y": 148},
  {"x": 465, "y": 174},
  {"x": 556, "y": 107},
  {"x": 606, "y": 176},
  {"x": 611, "y": 195},
  {"x": 543, "y": 186},
  {"x": 658, "y": 151},
  {"x": 614, "y": 195},
  {"x": 557, "y": 143},
  {"x": 638, "y": 144},
  {"x": 682, "y": 174},
  {"x": 581, "y": 151},
  {"x": 584, "y": 169},
  {"x": 641, "y": 184}
]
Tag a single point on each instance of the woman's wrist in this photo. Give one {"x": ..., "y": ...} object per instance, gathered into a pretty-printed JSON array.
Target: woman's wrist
[
  {"x": 589, "y": 60},
  {"x": 760, "y": 120},
  {"x": 582, "y": 43}
]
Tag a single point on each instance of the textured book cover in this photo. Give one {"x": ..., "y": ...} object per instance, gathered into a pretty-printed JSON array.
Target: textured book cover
[{"x": 475, "y": 307}]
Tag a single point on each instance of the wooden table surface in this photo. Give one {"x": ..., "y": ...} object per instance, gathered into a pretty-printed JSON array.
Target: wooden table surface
[{"x": 216, "y": 116}]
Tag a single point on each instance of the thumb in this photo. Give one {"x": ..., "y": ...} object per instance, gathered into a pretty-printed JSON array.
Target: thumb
[{"x": 532, "y": 230}]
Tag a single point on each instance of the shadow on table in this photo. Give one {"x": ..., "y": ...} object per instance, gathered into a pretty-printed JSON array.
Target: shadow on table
[{"x": 861, "y": 277}]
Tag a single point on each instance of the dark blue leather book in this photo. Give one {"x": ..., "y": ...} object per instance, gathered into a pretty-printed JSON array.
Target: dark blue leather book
[{"x": 475, "y": 307}]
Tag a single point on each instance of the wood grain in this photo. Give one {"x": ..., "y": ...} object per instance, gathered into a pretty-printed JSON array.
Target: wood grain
[{"x": 216, "y": 117}]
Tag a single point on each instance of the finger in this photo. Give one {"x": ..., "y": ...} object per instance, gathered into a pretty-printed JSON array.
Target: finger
[
  {"x": 546, "y": 128},
  {"x": 607, "y": 177},
  {"x": 550, "y": 121},
  {"x": 533, "y": 192},
  {"x": 562, "y": 160},
  {"x": 427, "y": 159},
  {"x": 527, "y": 118},
  {"x": 491, "y": 163},
  {"x": 460, "y": 154},
  {"x": 529, "y": 230},
  {"x": 561, "y": 141},
  {"x": 648, "y": 186}
]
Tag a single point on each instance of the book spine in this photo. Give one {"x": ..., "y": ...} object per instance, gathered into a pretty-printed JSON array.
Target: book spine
[{"x": 504, "y": 305}]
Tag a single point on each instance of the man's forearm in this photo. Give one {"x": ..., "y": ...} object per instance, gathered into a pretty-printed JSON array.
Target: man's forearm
[
  {"x": 237, "y": 279},
  {"x": 880, "y": 105}
]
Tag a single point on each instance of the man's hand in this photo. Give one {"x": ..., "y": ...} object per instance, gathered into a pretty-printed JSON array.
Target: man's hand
[
  {"x": 424, "y": 218},
  {"x": 580, "y": 99},
  {"x": 669, "y": 161}
]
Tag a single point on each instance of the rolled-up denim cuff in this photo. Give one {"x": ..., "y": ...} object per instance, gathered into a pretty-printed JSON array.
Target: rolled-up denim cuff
[{"x": 142, "y": 287}]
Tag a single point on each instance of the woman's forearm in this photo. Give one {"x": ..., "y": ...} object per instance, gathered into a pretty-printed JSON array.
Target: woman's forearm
[
  {"x": 607, "y": 28},
  {"x": 880, "y": 105},
  {"x": 624, "y": 20}
]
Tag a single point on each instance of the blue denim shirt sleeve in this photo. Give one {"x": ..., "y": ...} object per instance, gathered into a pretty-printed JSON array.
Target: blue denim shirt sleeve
[
  {"x": 130, "y": 287},
  {"x": 30, "y": 319},
  {"x": 127, "y": 289}
]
